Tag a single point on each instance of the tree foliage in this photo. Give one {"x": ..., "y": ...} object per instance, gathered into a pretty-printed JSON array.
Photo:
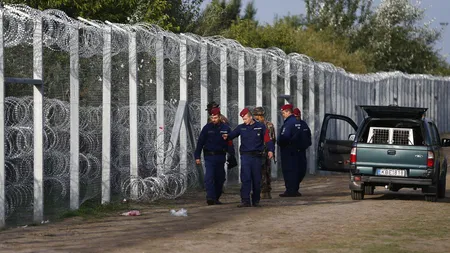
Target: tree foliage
[
  {"x": 340, "y": 15},
  {"x": 393, "y": 35},
  {"x": 219, "y": 15},
  {"x": 348, "y": 33},
  {"x": 398, "y": 40},
  {"x": 174, "y": 15},
  {"x": 289, "y": 38}
]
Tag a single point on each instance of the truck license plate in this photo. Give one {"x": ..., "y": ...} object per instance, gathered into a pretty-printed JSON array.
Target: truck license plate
[{"x": 391, "y": 172}]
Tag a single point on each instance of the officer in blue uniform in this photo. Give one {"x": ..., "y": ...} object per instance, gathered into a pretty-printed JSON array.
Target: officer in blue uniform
[
  {"x": 214, "y": 150},
  {"x": 252, "y": 157},
  {"x": 294, "y": 139}
]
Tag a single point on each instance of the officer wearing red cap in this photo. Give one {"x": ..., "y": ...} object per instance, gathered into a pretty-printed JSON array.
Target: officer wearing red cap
[
  {"x": 214, "y": 150},
  {"x": 294, "y": 139},
  {"x": 297, "y": 113},
  {"x": 252, "y": 150},
  {"x": 213, "y": 105}
]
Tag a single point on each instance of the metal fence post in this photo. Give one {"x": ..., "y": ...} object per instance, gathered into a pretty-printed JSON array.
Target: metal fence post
[
  {"x": 183, "y": 97},
  {"x": 38, "y": 94},
  {"x": 2, "y": 127},
  {"x": 74, "y": 120},
  {"x": 133, "y": 88},
  {"x": 106, "y": 117},
  {"x": 160, "y": 126}
]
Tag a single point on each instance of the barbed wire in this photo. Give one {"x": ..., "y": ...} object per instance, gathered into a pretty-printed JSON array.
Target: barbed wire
[{"x": 151, "y": 186}]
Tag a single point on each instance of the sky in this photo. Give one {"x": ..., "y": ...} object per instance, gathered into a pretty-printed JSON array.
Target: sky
[{"x": 436, "y": 10}]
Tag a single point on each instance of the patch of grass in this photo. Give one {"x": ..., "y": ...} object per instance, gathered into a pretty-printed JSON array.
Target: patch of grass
[
  {"x": 367, "y": 246},
  {"x": 385, "y": 248},
  {"x": 93, "y": 209}
]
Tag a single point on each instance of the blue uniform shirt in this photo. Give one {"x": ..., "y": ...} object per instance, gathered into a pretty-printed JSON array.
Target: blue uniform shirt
[
  {"x": 211, "y": 139},
  {"x": 288, "y": 130},
  {"x": 252, "y": 137}
]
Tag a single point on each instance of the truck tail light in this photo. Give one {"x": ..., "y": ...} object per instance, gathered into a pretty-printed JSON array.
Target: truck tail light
[
  {"x": 353, "y": 155},
  {"x": 430, "y": 159}
]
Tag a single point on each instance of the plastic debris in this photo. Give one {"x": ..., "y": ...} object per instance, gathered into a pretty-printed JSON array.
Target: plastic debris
[
  {"x": 45, "y": 221},
  {"x": 132, "y": 213},
  {"x": 181, "y": 212}
]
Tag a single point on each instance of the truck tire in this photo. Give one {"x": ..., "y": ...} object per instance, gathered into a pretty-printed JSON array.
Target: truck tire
[
  {"x": 369, "y": 190},
  {"x": 357, "y": 195},
  {"x": 441, "y": 187}
]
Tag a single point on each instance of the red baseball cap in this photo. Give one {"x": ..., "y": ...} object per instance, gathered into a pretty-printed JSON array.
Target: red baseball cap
[
  {"x": 296, "y": 112},
  {"x": 286, "y": 107},
  {"x": 215, "y": 111},
  {"x": 244, "y": 112}
]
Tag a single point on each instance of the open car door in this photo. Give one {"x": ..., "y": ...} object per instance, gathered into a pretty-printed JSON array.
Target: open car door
[{"x": 333, "y": 150}]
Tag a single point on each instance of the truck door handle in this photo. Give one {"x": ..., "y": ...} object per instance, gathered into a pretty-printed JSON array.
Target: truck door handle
[{"x": 391, "y": 152}]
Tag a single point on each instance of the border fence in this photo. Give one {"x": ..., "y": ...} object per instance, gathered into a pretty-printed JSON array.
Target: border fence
[{"x": 101, "y": 111}]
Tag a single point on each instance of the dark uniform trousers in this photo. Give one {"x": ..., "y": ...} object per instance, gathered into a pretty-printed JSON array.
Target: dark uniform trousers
[
  {"x": 251, "y": 178},
  {"x": 214, "y": 176},
  {"x": 294, "y": 168}
]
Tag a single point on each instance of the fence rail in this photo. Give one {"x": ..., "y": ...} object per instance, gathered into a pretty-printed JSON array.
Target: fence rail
[{"x": 110, "y": 99}]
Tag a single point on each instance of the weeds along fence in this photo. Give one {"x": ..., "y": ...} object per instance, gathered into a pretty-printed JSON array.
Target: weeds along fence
[{"x": 100, "y": 111}]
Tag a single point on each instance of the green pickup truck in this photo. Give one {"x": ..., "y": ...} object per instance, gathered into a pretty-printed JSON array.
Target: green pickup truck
[{"x": 394, "y": 147}]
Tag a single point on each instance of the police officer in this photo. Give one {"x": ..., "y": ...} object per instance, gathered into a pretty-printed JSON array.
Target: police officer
[
  {"x": 214, "y": 150},
  {"x": 252, "y": 150},
  {"x": 212, "y": 105},
  {"x": 297, "y": 114},
  {"x": 231, "y": 158},
  {"x": 259, "y": 114},
  {"x": 303, "y": 141},
  {"x": 294, "y": 138}
]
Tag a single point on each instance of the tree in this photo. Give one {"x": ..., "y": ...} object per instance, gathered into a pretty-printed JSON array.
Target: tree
[
  {"x": 288, "y": 36},
  {"x": 398, "y": 40},
  {"x": 339, "y": 15},
  {"x": 250, "y": 11},
  {"x": 218, "y": 16}
]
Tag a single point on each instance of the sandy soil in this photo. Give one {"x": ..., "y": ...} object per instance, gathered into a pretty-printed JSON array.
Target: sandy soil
[{"x": 324, "y": 219}]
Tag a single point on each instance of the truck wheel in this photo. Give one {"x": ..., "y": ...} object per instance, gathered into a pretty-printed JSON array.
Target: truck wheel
[
  {"x": 368, "y": 189},
  {"x": 441, "y": 187},
  {"x": 357, "y": 195},
  {"x": 431, "y": 198}
]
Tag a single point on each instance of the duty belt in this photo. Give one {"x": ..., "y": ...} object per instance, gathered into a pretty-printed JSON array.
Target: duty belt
[
  {"x": 252, "y": 153},
  {"x": 207, "y": 152}
]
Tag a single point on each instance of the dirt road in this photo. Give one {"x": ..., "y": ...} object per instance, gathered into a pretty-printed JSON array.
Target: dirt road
[{"x": 324, "y": 219}]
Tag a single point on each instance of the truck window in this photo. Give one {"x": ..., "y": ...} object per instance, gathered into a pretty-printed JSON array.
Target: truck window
[{"x": 392, "y": 131}]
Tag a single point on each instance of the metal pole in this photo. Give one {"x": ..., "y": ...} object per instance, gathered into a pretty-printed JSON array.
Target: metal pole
[
  {"x": 74, "y": 120},
  {"x": 160, "y": 126},
  {"x": 223, "y": 82},
  {"x": 38, "y": 94},
  {"x": 133, "y": 87},
  {"x": 241, "y": 95},
  {"x": 2, "y": 128},
  {"x": 259, "y": 80},
  {"x": 183, "y": 97},
  {"x": 106, "y": 117}
]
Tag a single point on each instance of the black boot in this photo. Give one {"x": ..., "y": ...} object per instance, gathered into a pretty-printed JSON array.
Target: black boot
[{"x": 244, "y": 205}]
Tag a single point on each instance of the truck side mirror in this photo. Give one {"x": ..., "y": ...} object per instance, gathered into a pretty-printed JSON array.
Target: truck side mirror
[
  {"x": 351, "y": 137},
  {"x": 445, "y": 142}
]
